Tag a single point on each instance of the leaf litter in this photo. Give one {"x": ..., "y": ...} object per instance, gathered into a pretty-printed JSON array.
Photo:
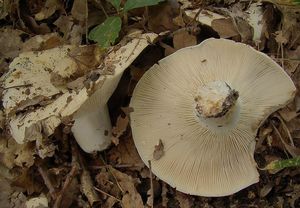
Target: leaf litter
[{"x": 64, "y": 176}]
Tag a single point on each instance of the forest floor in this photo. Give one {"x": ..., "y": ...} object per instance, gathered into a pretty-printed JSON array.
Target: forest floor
[{"x": 59, "y": 174}]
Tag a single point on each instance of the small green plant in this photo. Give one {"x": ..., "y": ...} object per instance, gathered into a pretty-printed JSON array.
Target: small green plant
[
  {"x": 280, "y": 164},
  {"x": 106, "y": 33}
]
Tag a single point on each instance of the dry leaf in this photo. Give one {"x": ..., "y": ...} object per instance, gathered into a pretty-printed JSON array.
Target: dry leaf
[
  {"x": 224, "y": 27},
  {"x": 164, "y": 192},
  {"x": 5, "y": 192},
  {"x": 126, "y": 153},
  {"x": 280, "y": 37},
  {"x": 120, "y": 128},
  {"x": 158, "y": 150},
  {"x": 183, "y": 39},
  {"x": 131, "y": 198},
  {"x": 205, "y": 17},
  {"x": 24, "y": 155},
  {"x": 45, "y": 148},
  {"x": 161, "y": 17},
  {"x": 71, "y": 30},
  {"x": 79, "y": 10},
  {"x": 11, "y": 42},
  {"x": 37, "y": 202},
  {"x": 49, "y": 8},
  {"x": 42, "y": 42},
  {"x": 184, "y": 200},
  {"x": 88, "y": 187}
]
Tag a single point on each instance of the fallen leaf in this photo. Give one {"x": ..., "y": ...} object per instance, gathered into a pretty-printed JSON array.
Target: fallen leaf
[
  {"x": 265, "y": 190},
  {"x": 79, "y": 10},
  {"x": 161, "y": 17},
  {"x": 88, "y": 187},
  {"x": 183, "y": 39},
  {"x": 224, "y": 27},
  {"x": 42, "y": 42},
  {"x": 184, "y": 200},
  {"x": 49, "y": 8},
  {"x": 120, "y": 128},
  {"x": 131, "y": 197},
  {"x": 24, "y": 155},
  {"x": 37, "y": 202},
  {"x": 71, "y": 30},
  {"x": 11, "y": 43}
]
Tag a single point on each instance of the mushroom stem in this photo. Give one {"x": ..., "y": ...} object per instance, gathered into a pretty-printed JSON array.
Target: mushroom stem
[
  {"x": 92, "y": 129},
  {"x": 214, "y": 103}
]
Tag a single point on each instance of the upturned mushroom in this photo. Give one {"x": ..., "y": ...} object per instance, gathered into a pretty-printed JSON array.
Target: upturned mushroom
[
  {"x": 204, "y": 104},
  {"x": 39, "y": 95}
]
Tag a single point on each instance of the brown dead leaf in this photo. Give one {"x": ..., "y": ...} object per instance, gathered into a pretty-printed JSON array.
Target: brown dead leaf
[
  {"x": 71, "y": 195},
  {"x": 161, "y": 17},
  {"x": 45, "y": 147},
  {"x": 11, "y": 42},
  {"x": 290, "y": 24},
  {"x": 88, "y": 187},
  {"x": 125, "y": 153},
  {"x": 49, "y": 8},
  {"x": 265, "y": 190},
  {"x": 244, "y": 29},
  {"x": 79, "y": 10},
  {"x": 17, "y": 199},
  {"x": 183, "y": 39},
  {"x": 42, "y": 42},
  {"x": 71, "y": 30},
  {"x": 131, "y": 198},
  {"x": 5, "y": 192},
  {"x": 158, "y": 150},
  {"x": 164, "y": 192},
  {"x": 24, "y": 155},
  {"x": 120, "y": 128},
  {"x": 288, "y": 114},
  {"x": 280, "y": 37},
  {"x": 184, "y": 200},
  {"x": 224, "y": 27}
]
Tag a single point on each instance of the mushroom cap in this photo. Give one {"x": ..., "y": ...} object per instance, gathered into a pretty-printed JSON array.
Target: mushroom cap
[{"x": 199, "y": 159}]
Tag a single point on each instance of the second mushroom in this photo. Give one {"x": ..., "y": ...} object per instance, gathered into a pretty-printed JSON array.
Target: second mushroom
[{"x": 205, "y": 104}]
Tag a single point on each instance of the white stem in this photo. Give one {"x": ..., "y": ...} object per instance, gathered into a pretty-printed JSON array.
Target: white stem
[
  {"x": 216, "y": 104},
  {"x": 92, "y": 129}
]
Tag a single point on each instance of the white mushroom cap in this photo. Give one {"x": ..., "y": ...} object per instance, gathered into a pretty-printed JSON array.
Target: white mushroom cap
[
  {"x": 30, "y": 82},
  {"x": 207, "y": 155}
]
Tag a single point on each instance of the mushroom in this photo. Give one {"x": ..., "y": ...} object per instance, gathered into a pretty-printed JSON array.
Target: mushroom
[
  {"x": 46, "y": 88},
  {"x": 204, "y": 105}
]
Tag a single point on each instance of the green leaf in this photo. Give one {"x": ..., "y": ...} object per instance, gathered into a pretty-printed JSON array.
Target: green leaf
[
  {"x": 115, "y": 3},
  {"x": 132, "y": 4},
  {"x": 106, "y": 33},
  {"x": 280, "y": 164}
]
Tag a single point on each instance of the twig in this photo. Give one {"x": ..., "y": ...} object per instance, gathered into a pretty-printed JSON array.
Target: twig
[
  {"x": 282, "y": 56},
  {"x": 139, "y": 165},
  {"x": 102, "y": 8},
  {"x": 47, "y": 182},
  {"x": 282, "y": 140},
  {"x": 86, "y": 22},
  {"x": 24, "y": 85},
  {"x": 67, "y": 182},
  {"x": 151, "y": 185},
  {"x": 116, "y": 180},
  {"x": 107, "y": 194},
  {"x": 197, "y": 14},
  {"x": 286, "y": 129}
]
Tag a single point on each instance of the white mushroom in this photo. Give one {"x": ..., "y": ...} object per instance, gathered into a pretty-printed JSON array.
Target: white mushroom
[
  {"x": 205, "y": 104},
  {"x": 36, "y": 102}
]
